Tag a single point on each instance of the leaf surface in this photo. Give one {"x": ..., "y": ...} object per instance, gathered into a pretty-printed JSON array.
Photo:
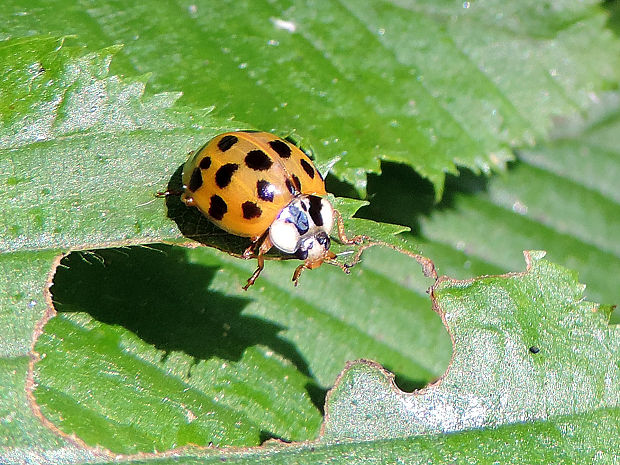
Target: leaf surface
[
  {"x": 424, "y": 83},
  {"x": 83, "y": 151}
]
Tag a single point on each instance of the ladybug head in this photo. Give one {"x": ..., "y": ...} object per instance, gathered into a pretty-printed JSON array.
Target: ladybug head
[{"x": 302, "y": 228}]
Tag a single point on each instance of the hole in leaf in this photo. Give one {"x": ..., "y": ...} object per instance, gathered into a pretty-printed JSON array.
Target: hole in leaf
[
  {"x": 144, "y": 354},
  {"x": 407, "y": 384}
]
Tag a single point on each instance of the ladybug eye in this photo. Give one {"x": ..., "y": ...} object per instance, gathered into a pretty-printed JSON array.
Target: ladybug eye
[
  {"x": 306, "y": 247},
  {"x": 313, "y": 247},
  {"x": 323, "y": 239}
]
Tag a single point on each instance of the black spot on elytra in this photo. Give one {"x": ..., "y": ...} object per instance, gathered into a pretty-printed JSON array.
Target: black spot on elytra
[
  {"x": 258, "y": 160},
  {"x": 296, "y": 182},
  {"x": 205, "y": 163},
  {"x": 315, "y": 210},
  {"x": 224, "y": 174},
  {"x": 534, "y": 349},
  {"x": 227, "y": 142},
  {"x": 196, "y": 180},
  {"x": 281, "y": 148},
  {"x": 217, "y": 207},
  {"x": 307, "y": 168},
  {"x": 251, "y": 210},
  {"x": 290, "y": 187},
  {"x": 265, "y": 190}
]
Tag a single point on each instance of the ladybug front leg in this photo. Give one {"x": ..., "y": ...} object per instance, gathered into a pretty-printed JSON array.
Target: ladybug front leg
[
  {"x": 342, "y": 235},
  {"x": 264, "y": 245},
  {"x": 298, "y": 272},
  {"x": 328, "y": 257},
  {"x": 355, "y": 240}
]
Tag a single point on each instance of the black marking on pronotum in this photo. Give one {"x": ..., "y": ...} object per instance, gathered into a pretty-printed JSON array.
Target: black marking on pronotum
[
  {"x": 265, "y": 190},
  {"x": 315, "y": 209},
  {"x": 299, "y": 219},
  {"x": 307, "y": 168},
  {"x": 281, "y": 148},
  {"x": 227, "y": 142},
  {"x": 534, "y": 349},
  {"x": 258, "y": 160},
  {"x": 223, "y": 175},
  {"x": 251, "y": 210},
  {"x": 196, "y": 180},
  {"x": 296, "y": 182},
  {"x": 217, "y": 207},
  {"x": 205, "y": 163}
]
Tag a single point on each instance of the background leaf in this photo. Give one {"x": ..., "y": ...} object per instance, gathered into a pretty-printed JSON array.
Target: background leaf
[
  {"x": 82, "y": 151},
  {"x": 423, "y": 83},
  {"x": 561, "y": 197}
]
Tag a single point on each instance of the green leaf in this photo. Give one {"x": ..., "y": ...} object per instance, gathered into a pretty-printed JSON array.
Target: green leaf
[
  {"x": 150, "y": 375},
  {"x": 526, "y": 348},
  {"x": 424, "y": 83},
  {"x": 567, "y": 392},
  {"x": 186, "y": 334},
  {"x": 77, "y": 174},
  {"x": 96, "y": 171},
  {"x": 82, "y": 153},
  {"x": 106, "y": 196},
  {"x": 562, "y": 197}
]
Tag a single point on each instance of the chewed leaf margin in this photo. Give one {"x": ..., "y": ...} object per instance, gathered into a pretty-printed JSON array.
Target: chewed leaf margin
[
  {"x": 476, "y": 391},
  {"x": 366, "y": 404}
]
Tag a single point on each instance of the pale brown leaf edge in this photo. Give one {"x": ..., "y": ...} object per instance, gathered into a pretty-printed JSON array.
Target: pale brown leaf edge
[
  {"x": 271, "y": 445},
  {"x": 49, "y": 313}
]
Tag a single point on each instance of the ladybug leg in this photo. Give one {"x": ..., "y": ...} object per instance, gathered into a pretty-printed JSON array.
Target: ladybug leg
[
  {"x": 256, "y": 274},
  {"x": 346, "y": 267},
  {"x": 169, "y": 192},
  {"x": 297, "y": 273},
  {"x": 256, "y": 242},
  {"x": 355, "y": 240},
  {"x": 263, "y": 248},
  {"x": 329, "y": 257},
  {"x": 342, "y": 236}
]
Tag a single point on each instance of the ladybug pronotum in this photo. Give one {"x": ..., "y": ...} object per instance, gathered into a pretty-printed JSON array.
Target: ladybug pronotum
[{"x": 257, "y": 185}]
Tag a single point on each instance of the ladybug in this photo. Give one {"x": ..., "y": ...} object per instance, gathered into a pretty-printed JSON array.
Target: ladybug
[{"x": 257, "y": 185}]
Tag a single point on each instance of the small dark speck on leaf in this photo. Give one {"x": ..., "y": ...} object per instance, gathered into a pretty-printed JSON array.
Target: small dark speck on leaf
[{"x": 534, "y": 349}]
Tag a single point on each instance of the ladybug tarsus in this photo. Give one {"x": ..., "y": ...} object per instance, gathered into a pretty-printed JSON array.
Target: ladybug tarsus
[
  {"x": 256, "y": 274},
  {"x": 168, "y": 193}
]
